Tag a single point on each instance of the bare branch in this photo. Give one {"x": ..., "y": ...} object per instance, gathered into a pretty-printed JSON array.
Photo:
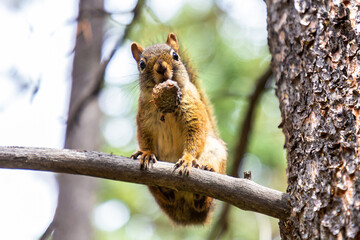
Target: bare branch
[{"x": 241, "y": 193}]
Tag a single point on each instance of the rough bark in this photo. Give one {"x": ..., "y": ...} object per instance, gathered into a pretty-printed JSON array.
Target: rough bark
[
  {"x": 77, "y": 193},
  {"x": 242, "y": 193},
  {"x": 316, "y": 64}
]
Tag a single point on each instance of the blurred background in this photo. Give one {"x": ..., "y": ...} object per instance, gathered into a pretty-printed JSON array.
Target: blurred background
[{"x": 227, "y": 42}]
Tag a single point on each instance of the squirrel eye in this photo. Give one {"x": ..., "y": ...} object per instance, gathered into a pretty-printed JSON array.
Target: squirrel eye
[
  {"x": 175, "y": 56},
  {"x": 142, "y": 65}
]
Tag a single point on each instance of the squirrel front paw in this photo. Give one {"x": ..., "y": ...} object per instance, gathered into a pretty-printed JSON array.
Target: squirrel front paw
[
  {"x": 207, "y": 168},
  {"x": 146, "y": 158},
  {"x": 185, "y": 163}
]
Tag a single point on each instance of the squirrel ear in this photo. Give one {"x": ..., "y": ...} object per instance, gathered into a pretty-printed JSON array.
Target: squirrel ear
[
  {"x": 136, "y": 50},
  {"x": 172, "y": 41}
]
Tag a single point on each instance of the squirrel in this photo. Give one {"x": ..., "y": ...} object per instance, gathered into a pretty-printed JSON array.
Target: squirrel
[{"x": 187, "y": 137}]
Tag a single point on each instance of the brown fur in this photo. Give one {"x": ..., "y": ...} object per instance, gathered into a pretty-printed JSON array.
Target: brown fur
[{"x": 187, "y": 137}]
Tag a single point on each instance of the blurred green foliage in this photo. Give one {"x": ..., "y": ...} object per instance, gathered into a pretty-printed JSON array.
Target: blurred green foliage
[{"x": 229, "y": 64}]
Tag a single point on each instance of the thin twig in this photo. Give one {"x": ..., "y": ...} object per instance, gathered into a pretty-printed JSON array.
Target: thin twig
[
  {"x": 241, "y": 193},
  {"x": 222, "y": 224}
]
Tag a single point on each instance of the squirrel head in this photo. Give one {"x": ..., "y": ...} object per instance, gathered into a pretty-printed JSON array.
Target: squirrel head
[{"x": 159, "y": 62}]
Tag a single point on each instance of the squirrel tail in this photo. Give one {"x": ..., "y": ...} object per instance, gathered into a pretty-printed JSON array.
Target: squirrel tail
[{"x": 188, "y": 209}]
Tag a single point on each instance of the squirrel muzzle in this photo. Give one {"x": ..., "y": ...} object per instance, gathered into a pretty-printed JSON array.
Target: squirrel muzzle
[{"x": 163, "y": 70}]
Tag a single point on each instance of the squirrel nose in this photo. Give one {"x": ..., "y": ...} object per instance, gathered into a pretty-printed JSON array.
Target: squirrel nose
[{"x": 160, "y": 67}]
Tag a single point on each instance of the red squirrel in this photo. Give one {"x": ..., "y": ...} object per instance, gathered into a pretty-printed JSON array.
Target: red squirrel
[{"x": 187, "y": 137}]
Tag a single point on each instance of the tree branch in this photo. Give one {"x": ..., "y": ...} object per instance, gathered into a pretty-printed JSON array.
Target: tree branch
[{"x": 241, "y": 193}]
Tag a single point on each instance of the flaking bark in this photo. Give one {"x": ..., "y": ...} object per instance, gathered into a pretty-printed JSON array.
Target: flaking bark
[{"x": 316, "y": 64}]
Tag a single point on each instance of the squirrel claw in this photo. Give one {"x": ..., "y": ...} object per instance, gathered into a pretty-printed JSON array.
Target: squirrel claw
[
  {"x": 195, "y": 164},
  {"x": 207, "y": 168},
  {"x": 147, "y": 159},
  {"x": 185, "y": 170},
  {"x": 136, "y": 155},
  {"x": 179, "y": 163},
  {"x": 185, "y": 166}
]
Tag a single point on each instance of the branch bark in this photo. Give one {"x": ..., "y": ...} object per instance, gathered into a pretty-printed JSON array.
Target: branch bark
[{"x": 241, "y": 193}]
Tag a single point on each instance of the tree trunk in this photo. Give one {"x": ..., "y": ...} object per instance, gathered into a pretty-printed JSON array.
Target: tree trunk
[
  {"x": 77, "y": 193},
  {"x": 316, "y": 64}
]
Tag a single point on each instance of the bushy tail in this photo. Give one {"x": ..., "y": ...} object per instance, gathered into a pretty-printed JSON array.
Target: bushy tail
[{"x": 183, "y": 208}]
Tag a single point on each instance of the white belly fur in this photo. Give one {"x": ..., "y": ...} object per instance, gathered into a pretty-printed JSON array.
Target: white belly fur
[{"x": 170, "y": 138}]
